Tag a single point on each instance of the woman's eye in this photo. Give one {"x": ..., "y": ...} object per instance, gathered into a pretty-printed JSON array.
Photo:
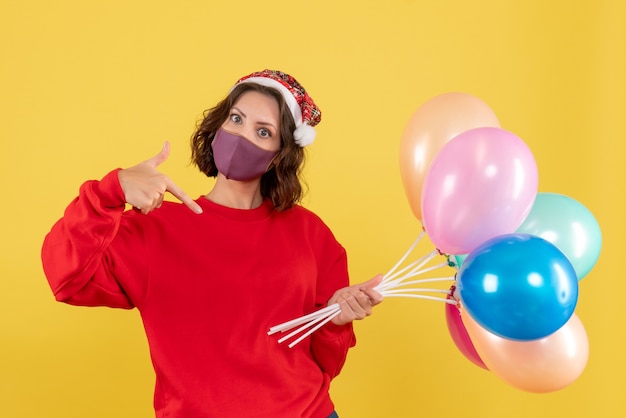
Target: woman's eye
[
  {"x": 264, "y": 133},
  {"x": 235, "y": 118}
]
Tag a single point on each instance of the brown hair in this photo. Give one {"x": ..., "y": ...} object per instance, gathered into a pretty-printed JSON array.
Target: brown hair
[{"x": 281, "y": 183}]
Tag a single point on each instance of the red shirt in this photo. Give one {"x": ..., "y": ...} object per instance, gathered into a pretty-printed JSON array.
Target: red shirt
[{"x": 208, "y": 288}]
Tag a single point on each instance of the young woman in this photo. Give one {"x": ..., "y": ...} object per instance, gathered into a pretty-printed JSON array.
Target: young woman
[{"x": 210, "y": 276}]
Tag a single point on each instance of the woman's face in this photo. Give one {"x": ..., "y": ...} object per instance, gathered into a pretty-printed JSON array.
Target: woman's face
[{"x": 256, "y": 117}]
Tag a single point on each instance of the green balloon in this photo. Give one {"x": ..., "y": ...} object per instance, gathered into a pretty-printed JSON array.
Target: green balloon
[
  {"x": 568, "y": 225},
  {"x": 459, "y": 258}
]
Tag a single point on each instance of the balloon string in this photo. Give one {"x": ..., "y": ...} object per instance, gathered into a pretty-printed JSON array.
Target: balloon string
[
  {"x": 298, "y": 321},
  {"x": 414, "y": 266},
  {"x": 414, "y": 289},
  {"x": 448, "y": 301},
  {"x": 398, "y": 281},
  {"x": 308, "y": 325},
  {"x": 390, "y": 286},
  {"x": 312, "y": 330},
  {"x": 404, "y": 281},
  {"x": 438, "y": 279},
  {"x": 406, "y": 254}
]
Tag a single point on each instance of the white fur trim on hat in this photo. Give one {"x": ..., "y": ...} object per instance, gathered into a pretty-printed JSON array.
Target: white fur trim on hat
[
  {"x": 291, "y": 101},
  {"x": 304, "y": 134}
]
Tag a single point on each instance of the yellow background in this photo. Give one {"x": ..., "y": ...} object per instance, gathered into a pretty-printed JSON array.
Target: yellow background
[{"x": 87, "y": 86}]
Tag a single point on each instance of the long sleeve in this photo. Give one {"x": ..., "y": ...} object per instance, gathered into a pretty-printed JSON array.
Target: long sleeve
[
  {"x": 78, "y": 258},
  {"x": 330, "y": 344},
  {"x": 208, "y": 287}
]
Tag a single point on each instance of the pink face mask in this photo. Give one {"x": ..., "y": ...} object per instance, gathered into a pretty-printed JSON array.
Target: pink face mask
[{"x": 239, "y": 159}]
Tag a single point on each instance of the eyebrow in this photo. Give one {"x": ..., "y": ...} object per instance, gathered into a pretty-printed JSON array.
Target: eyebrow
[{"x": 260, "y": 122}]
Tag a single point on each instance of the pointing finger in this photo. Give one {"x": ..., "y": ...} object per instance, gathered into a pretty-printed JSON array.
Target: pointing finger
[{"x": 183, "y": 197}]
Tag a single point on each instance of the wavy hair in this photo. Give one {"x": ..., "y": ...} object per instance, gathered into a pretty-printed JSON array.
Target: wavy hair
[{"x": 281, "y": 183}]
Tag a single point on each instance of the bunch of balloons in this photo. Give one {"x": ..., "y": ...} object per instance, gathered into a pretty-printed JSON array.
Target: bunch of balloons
[{"x": 520, "y": 253}]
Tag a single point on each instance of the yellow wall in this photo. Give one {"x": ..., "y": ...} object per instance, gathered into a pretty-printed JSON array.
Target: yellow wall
[{"x": 86, "y": 86}]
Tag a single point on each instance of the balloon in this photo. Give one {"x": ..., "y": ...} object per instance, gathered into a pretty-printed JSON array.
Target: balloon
[
  {"x": 480, "y": 185},
  {"x": 538, "y": 366},
  {"x": 432, "y": 125},
  {"x": 567, "y": 224},
  {"x": 518, "y": 286},
  {"x": 459, "y": 335},
  {"x": 458, "y": 260}
]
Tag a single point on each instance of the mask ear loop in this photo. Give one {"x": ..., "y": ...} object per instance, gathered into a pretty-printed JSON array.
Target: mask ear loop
[{"x": 271, "y": 164}]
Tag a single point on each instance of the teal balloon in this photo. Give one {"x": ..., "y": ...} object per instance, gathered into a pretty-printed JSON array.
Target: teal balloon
[
  {"x": 567, "y": 224},
  {"x": 459, "y": 259}
]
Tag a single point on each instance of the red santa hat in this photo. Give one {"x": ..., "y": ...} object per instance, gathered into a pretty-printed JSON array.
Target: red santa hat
[{"x": 305, "y": 112}]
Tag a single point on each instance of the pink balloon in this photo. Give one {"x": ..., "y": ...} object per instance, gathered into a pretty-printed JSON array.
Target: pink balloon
[
  {"x": 539, "y": 366},
  {"x": 480, "y": 185},
  {"x": 459, "y": 335},
  {"x": 432, "y": 125}
]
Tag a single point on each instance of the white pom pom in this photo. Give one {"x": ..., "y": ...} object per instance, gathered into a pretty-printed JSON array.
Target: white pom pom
[{"x": 304, "y": 135}]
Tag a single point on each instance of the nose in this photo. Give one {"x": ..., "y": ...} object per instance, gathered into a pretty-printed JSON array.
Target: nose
[{"x": 243, "y": 129}]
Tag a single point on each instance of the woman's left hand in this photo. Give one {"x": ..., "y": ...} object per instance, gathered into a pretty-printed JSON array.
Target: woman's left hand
[{"x": 356, "y": 301}]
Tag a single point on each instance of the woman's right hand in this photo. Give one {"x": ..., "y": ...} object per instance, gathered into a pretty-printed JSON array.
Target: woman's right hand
[
  {"x": 144, "y": 186},
  {"x": 356, "y": 301}
]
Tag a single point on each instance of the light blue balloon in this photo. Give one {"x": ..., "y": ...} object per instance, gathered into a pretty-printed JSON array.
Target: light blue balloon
[
  {"x": 518, "y": 286},
  {"x": 456, "y": 260},
  {"x": 567, "y": 224}
]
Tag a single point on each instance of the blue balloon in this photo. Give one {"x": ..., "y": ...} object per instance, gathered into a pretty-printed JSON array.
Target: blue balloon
[{"x": 518, "y": 286}]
